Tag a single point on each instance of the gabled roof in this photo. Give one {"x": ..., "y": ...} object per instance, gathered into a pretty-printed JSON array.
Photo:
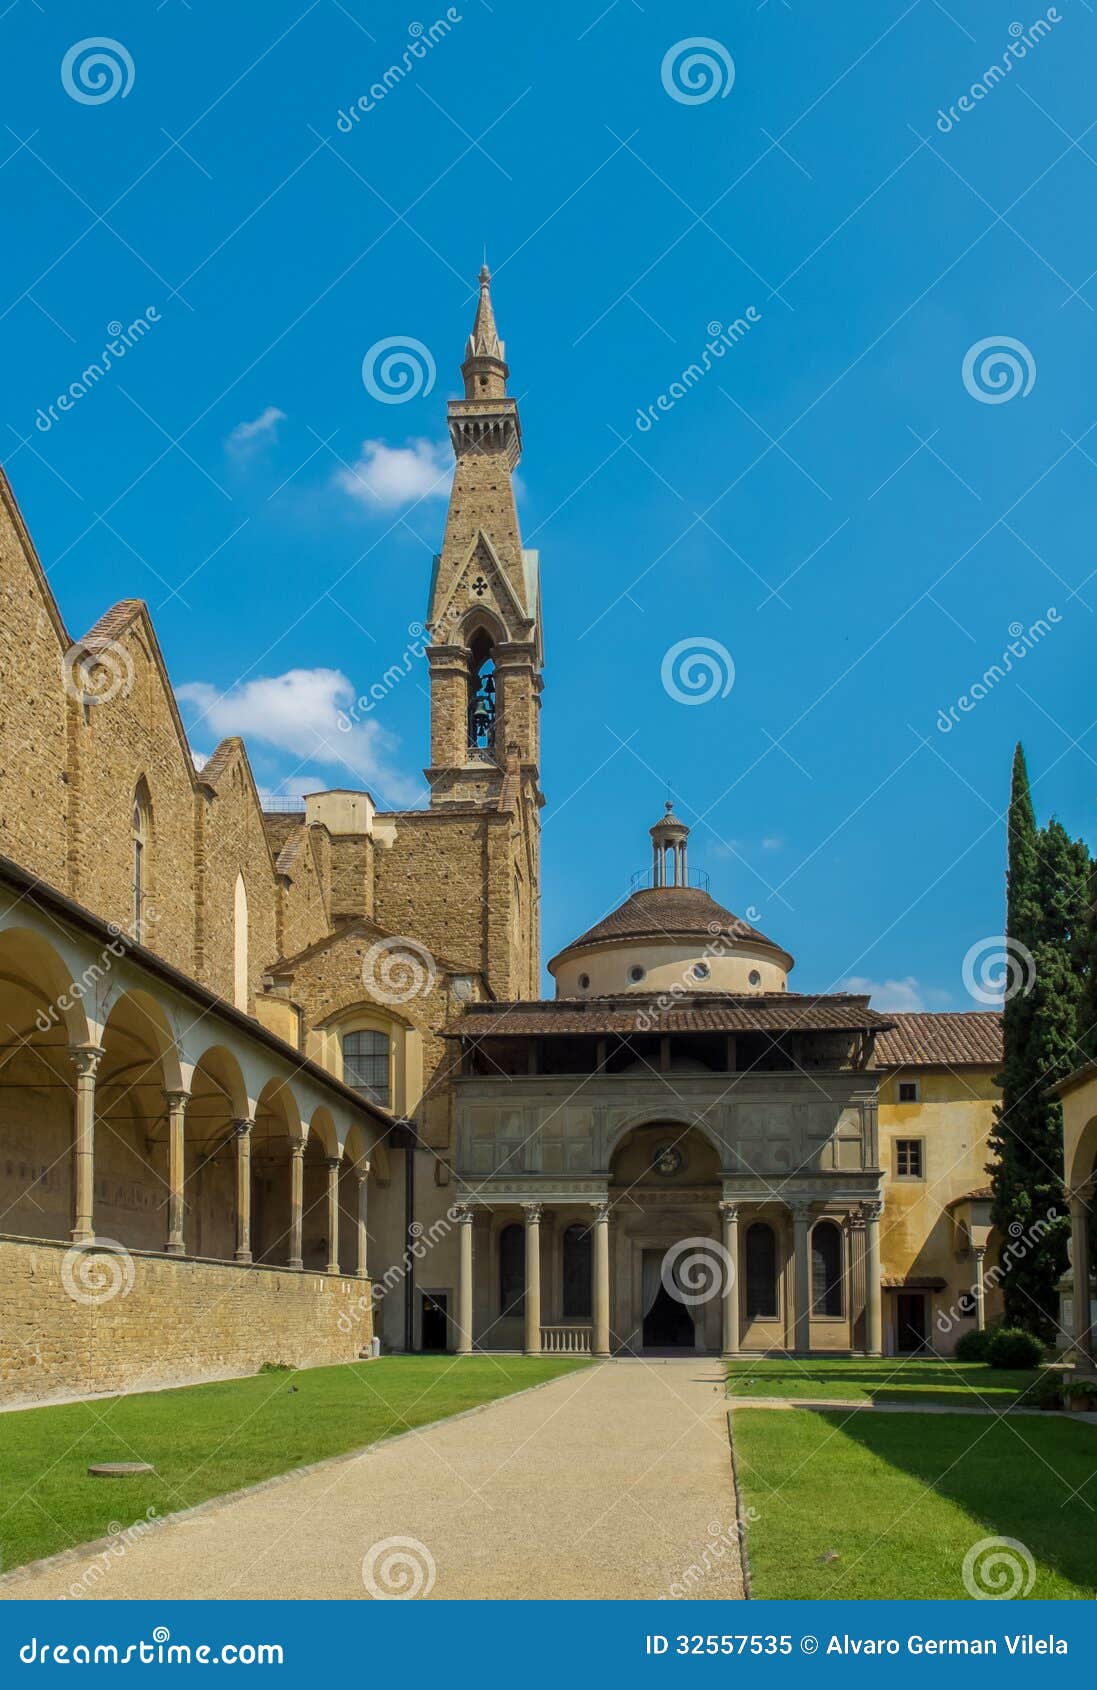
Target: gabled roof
[
  {"x": 362, "y": 927},
  {"x": 944, "y": 1040}
]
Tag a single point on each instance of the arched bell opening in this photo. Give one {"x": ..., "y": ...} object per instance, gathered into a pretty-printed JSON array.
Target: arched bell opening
[{"x": 482, "y": 695}]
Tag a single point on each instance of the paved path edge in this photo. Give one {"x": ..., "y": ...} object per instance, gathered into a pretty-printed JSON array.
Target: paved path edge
[{"x": 102, "y": 1545}]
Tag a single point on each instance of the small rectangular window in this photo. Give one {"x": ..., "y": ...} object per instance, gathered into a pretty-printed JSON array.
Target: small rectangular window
[
  {"x": 908, "y": 1158},
  {"x": 366, "y": 1058},
  {"x": 908, "y": 1091}
]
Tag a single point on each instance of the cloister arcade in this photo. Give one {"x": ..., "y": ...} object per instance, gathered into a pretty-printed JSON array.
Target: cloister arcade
[{"x": 137, "y": 1108}]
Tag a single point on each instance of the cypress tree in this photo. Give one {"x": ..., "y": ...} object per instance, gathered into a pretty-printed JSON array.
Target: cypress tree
[{"x": 1046, "y": 898}]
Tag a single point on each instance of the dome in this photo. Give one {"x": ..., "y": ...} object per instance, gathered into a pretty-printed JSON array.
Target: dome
[{"x": 664, "y": 935}]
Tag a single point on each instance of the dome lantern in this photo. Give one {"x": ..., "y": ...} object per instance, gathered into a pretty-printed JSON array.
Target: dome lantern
[{"x": 668, "y": 850}]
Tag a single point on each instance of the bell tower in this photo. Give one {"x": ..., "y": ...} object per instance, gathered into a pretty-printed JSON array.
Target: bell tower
[{"x": 484, "y": 616}]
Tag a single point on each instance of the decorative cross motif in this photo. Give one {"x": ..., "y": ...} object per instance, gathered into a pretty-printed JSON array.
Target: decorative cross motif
[{"x": 479, "y": 586}]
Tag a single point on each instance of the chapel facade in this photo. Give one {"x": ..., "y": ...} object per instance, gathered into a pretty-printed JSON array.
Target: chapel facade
[{"x": 278, "y": 1081}]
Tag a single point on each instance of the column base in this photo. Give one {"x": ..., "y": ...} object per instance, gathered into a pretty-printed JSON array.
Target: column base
[
  {"x": 174, "y": 1250},
  {"x": 533, "y": 1352},
  {"x": 242, "y": 1256},
  {"x": 80, "y": 1236},
  {"x": 296, "y": 1262},
  {"x": 332, "y": 1267}
]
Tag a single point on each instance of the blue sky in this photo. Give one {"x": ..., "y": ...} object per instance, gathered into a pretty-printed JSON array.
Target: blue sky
[{"x": 831, "y": 504}]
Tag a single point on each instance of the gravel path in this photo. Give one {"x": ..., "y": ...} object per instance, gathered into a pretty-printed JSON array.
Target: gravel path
[{"x": 612, "y": 1482}]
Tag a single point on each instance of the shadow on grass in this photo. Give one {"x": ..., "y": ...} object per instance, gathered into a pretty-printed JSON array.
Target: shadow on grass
[
  {"x": 913, "y": 1382},
  {"x": 1033, "y": 1480}
]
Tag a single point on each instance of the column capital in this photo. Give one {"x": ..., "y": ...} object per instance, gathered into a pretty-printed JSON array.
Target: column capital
[
  {"x": 729, "y": 1209},
  {"x": 801, "y": 1208},
  {"x": 978, "y": 1251},
  {"x": 533, "y": 1213},
  {"x": 86, "y": 1059},
  {"x": 297, "y": 1149},
  {"x": 242, "y": 1126},
  {"x": 360, "y": 1170},
  {"x": 332, "y": 1162},
  {"x": 177, "y": 1099},
  {"x": 1083, "y": 1192},
  {"x": 601, "y": 1207},
  {"x": 463, "y": 1213},
  {"x": 872, "y": 1209}
]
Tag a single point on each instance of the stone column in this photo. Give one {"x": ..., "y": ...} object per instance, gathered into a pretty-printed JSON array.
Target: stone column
[
  {"x": 855, "y": 1235},
  {"x": 533, "y": 1278},
  {"x": 599, "y": 1337},
  {"x": 801, "y": 1223},
  {"x": 980, "y": 1251},
  {"x": 874, "y": 1312},
  {"x": 361, "y": 1176},
  {"x": 242, "y": 1130},
  {"x": 464, "y": 1216},
  {"x": 296, "y": 1201},
  {"x": 333, "y": 1164},
  {"x": 729, "y": 1213},
  {"x": 86, "y": 1060},
  {"x": 1084, "y": 1337},
  {"x": 177, "y": 1110}
]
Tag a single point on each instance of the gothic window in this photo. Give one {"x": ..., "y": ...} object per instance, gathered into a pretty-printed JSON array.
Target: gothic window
[
  {"x": 366, "y": 1063},
  {"x": 577, "y": 1298},
  {"x": 826, "y": 1268},
  {"x": 240, "y": 944},
  {"x": 481, "y": 722},
  {"x": 761, "y": 1259},
  {"x": 142, "y": 840},
  {"x": 512, "y": 1270}
]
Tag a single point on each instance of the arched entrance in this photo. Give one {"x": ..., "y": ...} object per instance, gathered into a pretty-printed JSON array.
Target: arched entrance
[{"x": 664, "y": 1189}]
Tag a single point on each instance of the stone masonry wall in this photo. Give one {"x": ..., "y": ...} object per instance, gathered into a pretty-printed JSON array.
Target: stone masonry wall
[{"x": 169, "y": 1323}]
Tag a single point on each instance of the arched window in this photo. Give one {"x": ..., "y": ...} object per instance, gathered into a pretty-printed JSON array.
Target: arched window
[
  {"x": 367, "y": 1061},
  {"x": 512, "y": 1270},
  {"x": 577, "y": 1299},
  {"x": 240, "y": 944},
  {"x": 761, "y": 1256},
  {"x": 481, "y": 723},
  {"x": 826, "y": 1268},
  {"x": 142, "y": 841}
]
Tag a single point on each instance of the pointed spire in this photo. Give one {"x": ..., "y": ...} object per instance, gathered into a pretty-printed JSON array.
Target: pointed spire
[
  {"x": 484, "y": 340},
  {"x": 484, "y": 369}
]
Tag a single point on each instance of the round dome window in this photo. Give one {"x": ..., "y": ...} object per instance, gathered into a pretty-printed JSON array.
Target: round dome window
[
  {"x": 584, "y": 982},
  {"x": 701, "y": 971},
  {"x": 636, "y": 973},
  {"x": 754, "y": 978}
]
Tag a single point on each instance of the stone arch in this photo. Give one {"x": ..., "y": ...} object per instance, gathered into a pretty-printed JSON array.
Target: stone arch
[
  {"x": 676, "y": 1120},
  {"x": 218, "y": 1100},
  {"x": 1083, "y": 1163},
  {"x": 356, "y": 1158},
  {"x": 40, "y": 1018},
  {"x": 277, "y": 1129},
  {"x": 140, "y": 1065},
  {"x": 321, "y": 1147}
]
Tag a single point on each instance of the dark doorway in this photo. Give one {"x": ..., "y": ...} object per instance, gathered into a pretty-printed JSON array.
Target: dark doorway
[
  {"x": 435, "y": 1321},
  {"x": 668, "y": 1324},
  {"x": 910, "y": 1322}
]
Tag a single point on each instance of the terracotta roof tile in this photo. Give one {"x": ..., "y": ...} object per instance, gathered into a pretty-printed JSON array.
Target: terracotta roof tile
[
  {"x": 947, "y": 1040},
  {"x": 668, "y": 912},
  {"x": 701, "y": 1012}
]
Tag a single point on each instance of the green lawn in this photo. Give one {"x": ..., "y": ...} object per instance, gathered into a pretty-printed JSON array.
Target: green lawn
[
  {"x": 855, "y": 1505},
  {"x": 892, "y": 1379},
  {"x": 208, "y": 1439}
]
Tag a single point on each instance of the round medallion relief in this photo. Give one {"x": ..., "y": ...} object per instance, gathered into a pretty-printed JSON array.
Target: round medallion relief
[{"x": 668, "y": 1159}]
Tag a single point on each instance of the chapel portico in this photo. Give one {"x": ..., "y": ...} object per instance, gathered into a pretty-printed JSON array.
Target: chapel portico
[{"x": 689, "y": 1168}]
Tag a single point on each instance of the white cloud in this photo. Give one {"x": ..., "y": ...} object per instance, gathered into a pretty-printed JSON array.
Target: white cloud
[
  {"x": 388, "y": 476},
  {"x": 311, "y": 714},
  {"x": 772, "y": 843},
  {"x": 248, "y": 437},
  {"x": 199, "y": 759},
  {"x": 903, "y": 996}
]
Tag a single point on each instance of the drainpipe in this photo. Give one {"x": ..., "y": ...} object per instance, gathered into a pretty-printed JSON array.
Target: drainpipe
[{"x": 409, "y": 1240}]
